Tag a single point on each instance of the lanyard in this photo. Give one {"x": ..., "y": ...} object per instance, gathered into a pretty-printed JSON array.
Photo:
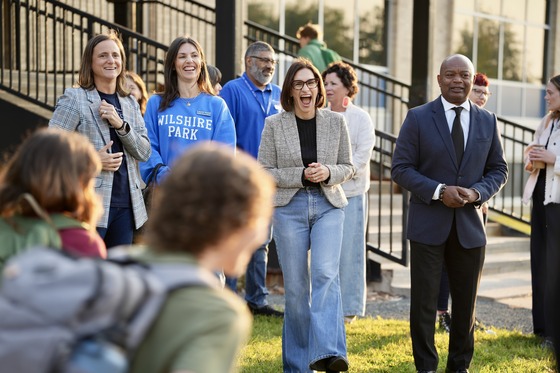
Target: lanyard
[
  {"x": 256, "y": 98},
  {"x": 550, "y": 134}
]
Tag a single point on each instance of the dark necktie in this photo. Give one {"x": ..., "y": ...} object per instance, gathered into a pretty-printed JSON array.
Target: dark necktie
[{"x": 457, "y": 134}]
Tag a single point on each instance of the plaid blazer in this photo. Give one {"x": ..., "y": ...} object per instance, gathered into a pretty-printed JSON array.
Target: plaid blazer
[
  {"x": 78, "y": 110},
  {"x": 280, "y": 154}
]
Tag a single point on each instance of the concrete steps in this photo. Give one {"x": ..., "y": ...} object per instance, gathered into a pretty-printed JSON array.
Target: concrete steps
[{"x": 506, "y": 275}]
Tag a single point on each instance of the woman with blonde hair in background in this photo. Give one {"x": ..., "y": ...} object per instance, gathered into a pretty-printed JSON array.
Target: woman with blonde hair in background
[{"x": 137, "y": 88}]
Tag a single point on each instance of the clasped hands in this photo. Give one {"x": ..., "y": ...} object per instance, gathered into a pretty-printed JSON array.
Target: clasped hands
[
  {"x": 316, "y": 172},
  {"x": 456, "y": 196}
]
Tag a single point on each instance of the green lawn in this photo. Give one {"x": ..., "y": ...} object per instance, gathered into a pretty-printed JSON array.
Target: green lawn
[{"x": 378, "y": 345}]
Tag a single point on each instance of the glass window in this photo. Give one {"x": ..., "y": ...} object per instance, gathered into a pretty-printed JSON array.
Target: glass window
[
  {"x": 373, "y": 36},
  {"x": 264, "y": 12},
  {"x": 512, "y": 41},
  {"x": 489, "y": 7},
  {"x": 298, "y": 13},
  {"x": 488, "y": 44},
  {"x": 536, "y": 12},
  {"x": 338, "y": 30},
  {"x": 463, "y": 36},
  {"x": 534, "y": 56},
  {"x": 513, "y": 9}
]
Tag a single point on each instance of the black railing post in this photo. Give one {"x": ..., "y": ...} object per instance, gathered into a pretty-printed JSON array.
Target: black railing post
[
  {"x": 420, "y": 51},
  {"x": 229, "y": 38}
]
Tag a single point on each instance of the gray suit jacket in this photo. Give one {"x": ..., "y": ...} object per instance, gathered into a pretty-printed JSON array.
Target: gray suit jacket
[
  {"x": 78, "y": 110},
  {"x": 280, "y": 154}
]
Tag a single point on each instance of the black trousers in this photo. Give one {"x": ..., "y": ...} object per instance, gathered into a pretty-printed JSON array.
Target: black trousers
[
  {"x": 464, "y": 267},
  {"x": 538, "y": 257}
]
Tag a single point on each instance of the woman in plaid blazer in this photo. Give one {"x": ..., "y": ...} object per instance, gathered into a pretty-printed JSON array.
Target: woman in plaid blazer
[{"x": 102, "y": 109}]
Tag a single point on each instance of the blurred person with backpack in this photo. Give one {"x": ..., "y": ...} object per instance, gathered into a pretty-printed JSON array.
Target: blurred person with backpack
[
  {"x": 212, "y": 211},
  {"x": 313, "y": 48},
  {"x": 147, "y": 309},
  {"x": 47, "y": 196}
]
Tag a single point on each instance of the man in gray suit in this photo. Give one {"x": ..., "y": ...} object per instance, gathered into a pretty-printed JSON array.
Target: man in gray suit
[{"x": 449, "y": 156}]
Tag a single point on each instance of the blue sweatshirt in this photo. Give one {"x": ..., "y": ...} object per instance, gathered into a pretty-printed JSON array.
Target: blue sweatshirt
[{"x": 183, "y": 124}]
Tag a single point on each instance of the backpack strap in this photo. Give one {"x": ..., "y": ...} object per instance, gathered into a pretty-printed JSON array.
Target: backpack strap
[
  {"x": 39, "y": 211},
  {"x": 160, "y": 280}
]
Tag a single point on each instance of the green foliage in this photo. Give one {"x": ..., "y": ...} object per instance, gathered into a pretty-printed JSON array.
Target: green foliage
[
  {"x": 373, "y": 38},
  {"x": 383, "y": 346}
]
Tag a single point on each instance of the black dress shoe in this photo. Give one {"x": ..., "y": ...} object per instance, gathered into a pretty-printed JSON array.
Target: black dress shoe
[
  {"x": 320, "y": 365},
  {"x": 265, "y": 311},
  {"x": 426, "y": 371},
  {"x": 464, "y": 370},
  {"x": 330, "y": 364},
  {"x": 337, "y": 364}
]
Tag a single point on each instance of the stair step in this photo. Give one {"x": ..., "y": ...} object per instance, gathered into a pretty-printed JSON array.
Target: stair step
[
  {"x": 516, "y": 284},
  {"x": 506, "y": 262}
]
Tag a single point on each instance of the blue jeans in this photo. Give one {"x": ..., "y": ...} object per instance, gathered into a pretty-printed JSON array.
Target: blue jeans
[
  {"x": 120, "y": 227},
  {"x": 353, "y": 257},
  {"x": 313, "y": 319},
  {"x": 255, "y": 277}
]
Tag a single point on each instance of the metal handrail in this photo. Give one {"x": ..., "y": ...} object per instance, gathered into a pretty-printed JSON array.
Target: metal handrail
[
  {"x": 506, "y": 205},
  {"x": 55, "y": 34}
]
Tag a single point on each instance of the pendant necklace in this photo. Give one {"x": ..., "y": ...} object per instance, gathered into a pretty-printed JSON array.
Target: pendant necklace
[{"x": 190, "y": 99}]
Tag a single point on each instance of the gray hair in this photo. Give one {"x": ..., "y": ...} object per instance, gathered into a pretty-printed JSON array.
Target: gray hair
[{"x": 256, "y": 47}]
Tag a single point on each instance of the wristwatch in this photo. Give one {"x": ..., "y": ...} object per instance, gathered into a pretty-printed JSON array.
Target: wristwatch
[
  {"x": 123, "y": 130},
  {"x": 441, "y": 190}
]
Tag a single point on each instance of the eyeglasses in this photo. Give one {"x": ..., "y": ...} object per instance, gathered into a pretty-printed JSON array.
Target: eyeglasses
[
  {"x": 265, "y": 60},
  {"x": 311, "y": 83},
  {"x": 480, "y": 93}
]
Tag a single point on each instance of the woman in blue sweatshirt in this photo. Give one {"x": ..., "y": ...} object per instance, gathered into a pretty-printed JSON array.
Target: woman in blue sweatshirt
[{"x": 187, "y": 111}]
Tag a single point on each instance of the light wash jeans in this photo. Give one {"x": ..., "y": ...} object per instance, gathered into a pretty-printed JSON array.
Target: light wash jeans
[
  {"x": 353, "y": 257},
  {"x": 313, "y": 319}
]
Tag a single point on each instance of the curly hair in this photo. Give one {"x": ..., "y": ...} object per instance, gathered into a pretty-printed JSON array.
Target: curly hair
[
  {"x": 286, "y": 99},
  {"x": 57, "y": 168},
  {"x": 347, "y": 76},
  {"x": 481, "y": 79},
  {"x": 209, "y": 194}
]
